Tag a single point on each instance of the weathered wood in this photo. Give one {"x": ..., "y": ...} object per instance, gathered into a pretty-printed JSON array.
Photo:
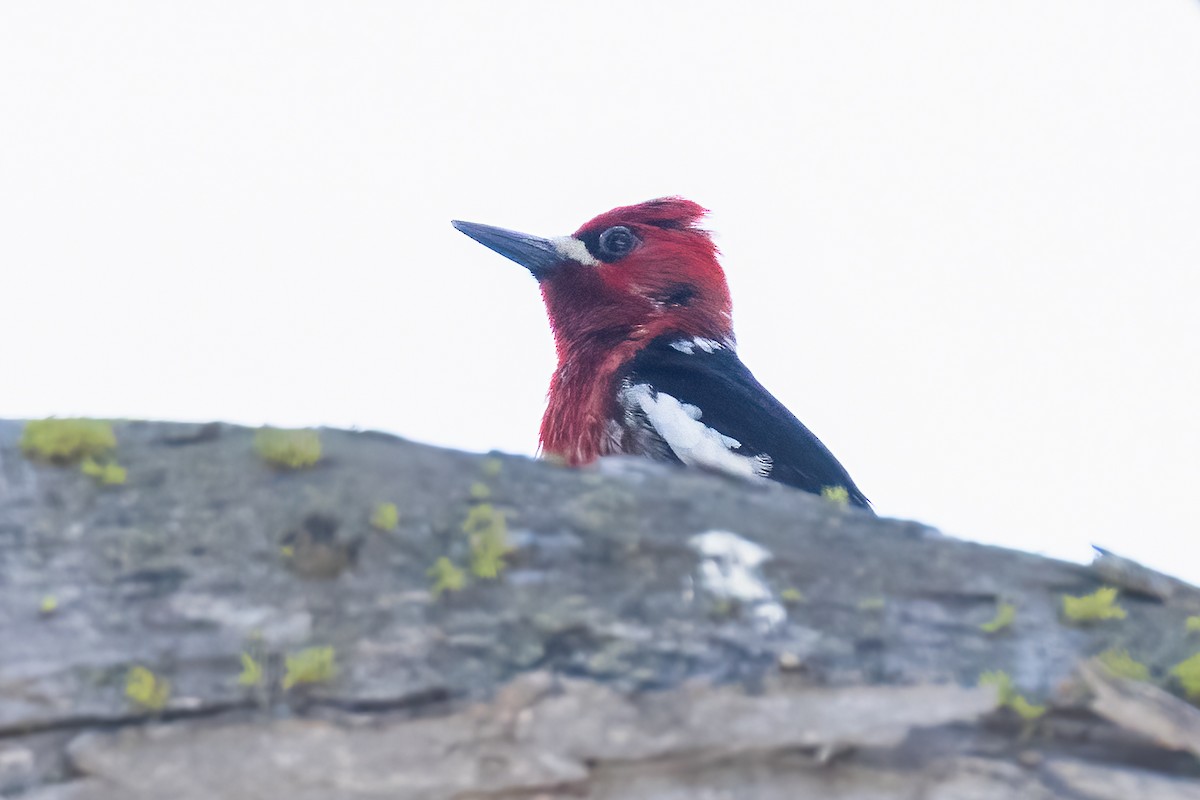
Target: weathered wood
[{"x": 613, "y": 656}]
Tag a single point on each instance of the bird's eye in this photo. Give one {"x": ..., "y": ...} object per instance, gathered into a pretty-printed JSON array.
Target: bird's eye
[{"x": 616, "y": 242}]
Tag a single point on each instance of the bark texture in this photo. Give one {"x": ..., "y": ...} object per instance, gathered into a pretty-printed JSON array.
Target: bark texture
[{"x": 650, "y": 632}]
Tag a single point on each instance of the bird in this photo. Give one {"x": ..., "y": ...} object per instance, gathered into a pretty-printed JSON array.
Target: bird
[{"x": 647, "y": 365}]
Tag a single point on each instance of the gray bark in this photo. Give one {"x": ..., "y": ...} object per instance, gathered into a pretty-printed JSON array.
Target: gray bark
[{"x": 611, "y": 657}]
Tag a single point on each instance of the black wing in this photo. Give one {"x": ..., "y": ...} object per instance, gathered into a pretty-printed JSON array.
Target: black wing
[{"x": 732, "y": 402}]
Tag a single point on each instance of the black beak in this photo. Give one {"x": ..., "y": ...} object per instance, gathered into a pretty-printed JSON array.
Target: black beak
[{"x": 534, "y": 253}]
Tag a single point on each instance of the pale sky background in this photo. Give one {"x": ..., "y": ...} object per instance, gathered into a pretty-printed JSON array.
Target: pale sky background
[{"x": 962, "y": 238}]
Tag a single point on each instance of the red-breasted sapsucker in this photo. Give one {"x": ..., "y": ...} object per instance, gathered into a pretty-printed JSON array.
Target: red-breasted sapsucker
[{"x": 646, "y": 358}]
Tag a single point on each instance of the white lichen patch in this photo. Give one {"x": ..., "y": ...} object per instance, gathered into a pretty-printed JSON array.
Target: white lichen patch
[
  {"x": 273, "y": 625},
  {"x": 729, "y": 569}
]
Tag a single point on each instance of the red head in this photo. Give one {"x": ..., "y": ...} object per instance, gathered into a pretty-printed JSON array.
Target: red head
[
  {"x": 623, "y": 279},
  {"x": 631, "y": 273}
]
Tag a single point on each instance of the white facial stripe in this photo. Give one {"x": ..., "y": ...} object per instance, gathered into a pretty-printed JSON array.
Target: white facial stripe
[
  {"x": 693, "y": 442},
  {"x": 572, "y": 249}
]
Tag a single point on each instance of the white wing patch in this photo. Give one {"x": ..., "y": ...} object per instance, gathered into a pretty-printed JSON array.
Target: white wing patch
[
  {"x": 572, "y": 249},
  {"x": 689, "y": 346},
  {"x": 692, "y": 442}
]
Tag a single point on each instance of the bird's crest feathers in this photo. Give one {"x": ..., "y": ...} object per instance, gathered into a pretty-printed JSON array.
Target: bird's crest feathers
[{"x": 672, "y": 213}]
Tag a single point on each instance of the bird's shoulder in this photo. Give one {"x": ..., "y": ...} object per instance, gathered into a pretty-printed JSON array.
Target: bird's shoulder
[{"x": 691, "y": 399}]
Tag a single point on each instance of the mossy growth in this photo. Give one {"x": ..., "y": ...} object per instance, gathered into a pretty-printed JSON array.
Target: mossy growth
[
  {"x": 1005, "y": 614},
  {"x": 252, "y": 671},
  {"x": 109, "y": 473},
  {"x": 1188, "y": 674},
  {"x": 288, "y": 449},
  {"x": 792, "y": 596},
  {"x": 1122, "y": 665},
  {"x": 446, "y": 577},
  {"x": 48, "y": 606},
  {"x": 67, "y": 441},
  {"x": 836, "y": 495},
  {"x": 1192, "y": 625},
  {"x": 311, "y": 665},
  {"x": 487, "y": 533},
  {"x": 146, "y": 690},
  {"x": 1099, "y": 605},
  {"x": 492, "y": 467},
  {"x": 724, "y": 608},
  {"x": 480, "y": 491},
  {"x": 1025, "y": 709},
  {"x": 386, "y": 517},
  {"x": 1008, "y": 697}
]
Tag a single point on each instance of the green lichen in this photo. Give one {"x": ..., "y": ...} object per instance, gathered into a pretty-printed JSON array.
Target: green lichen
[
  {"x": 66, "y": 441},
  {"x": 1099, "y": 605},
  {"x": 492, "y": 467},
  {"x": 1192, "y": 625},
  {"x": 872, "y": 604},
  {"x": 1008, "y": 697},
  {"x": 446, "y": 577},
  {"x": 1005, "y": 614},
  {"x": 147, "y": 690},
  {"x": 487, "y": 533},
  {"x": 252, "y": 671},
  {"x": 480, "y": 491},
  {"x": 311, "y": 665},
  {"x": 288, "y": 449},
  {"x": 107, "y": 474},
  {"x": 386, "y": 517},
  {"x": 1025, "y": 709},
  {"x": 48, "y": 605},
  {"x": 792, "y": 596},
  {"x": 724, "y": 608},
  {"x": 1002, "y": 681},
  {"x": 836, "y": 495},
  {"x": 1188, "y": 673},
  {"x": 1122, "y": 665}
]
